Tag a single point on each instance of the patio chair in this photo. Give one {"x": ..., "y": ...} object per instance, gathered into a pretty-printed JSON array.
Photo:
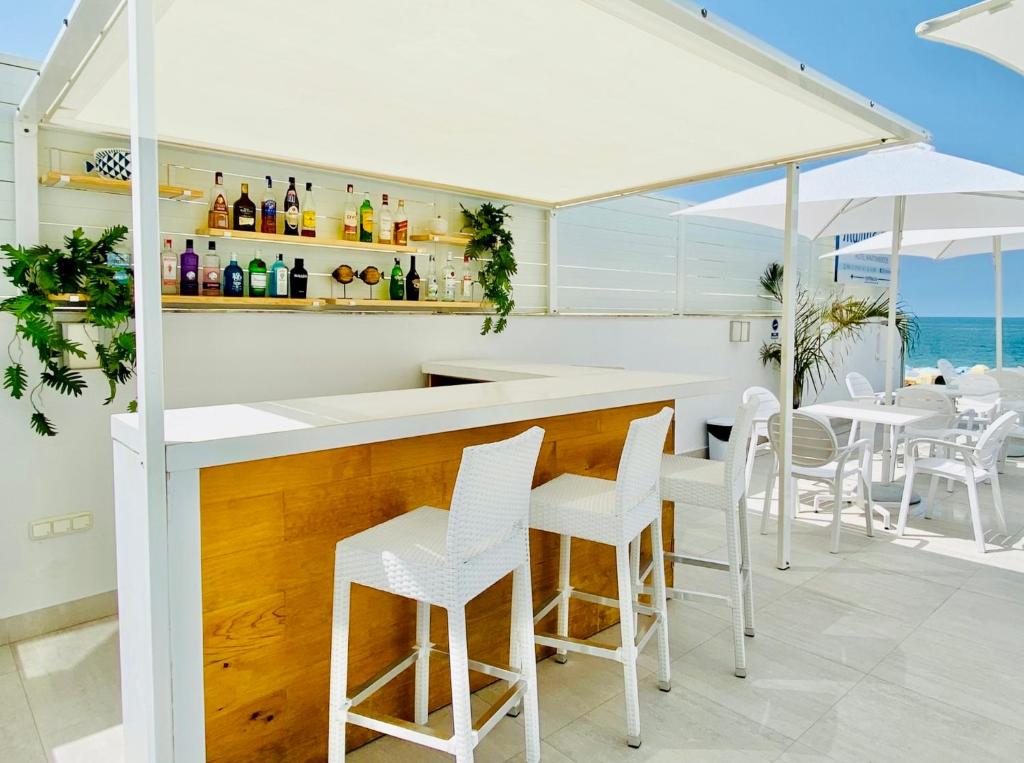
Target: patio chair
[
  {"x": 860, "y": 388},
  {"x": 946, "y": 424},
  {"x": 767, "y": 404},
  {"x": 818, "y": 457},
  {"x": 979, "y": 394},
  {"x": 977, "y": 463},
  {"x": 949, "y": 374},
  {"x": 1011, "y": 389}
]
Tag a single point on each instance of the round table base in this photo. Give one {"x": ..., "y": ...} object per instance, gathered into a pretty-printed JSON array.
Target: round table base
[{"x": 891, "y": 493}]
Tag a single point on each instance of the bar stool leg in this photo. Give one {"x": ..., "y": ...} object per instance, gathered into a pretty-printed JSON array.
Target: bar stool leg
[
  {"x": 659, "y": 601},
  {"x": 462, "y": 718},
  {"x": 746, "y": 570},
  {"x": 422, "y": 662},
  {"x": 736, "y": 592},
  {"x": 632, "y": 692},
  {"x": 338, "y": 710},
  {"x": 634, "y": 573},
  {"x": 526, "y": 657},
  {"x": 564, "y": 590},
  {"x": 769, "y": 489}
]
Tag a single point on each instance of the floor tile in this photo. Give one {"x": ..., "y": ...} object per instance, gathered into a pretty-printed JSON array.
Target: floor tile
[
  {"x": 998, "y": 583},
  {"x": 18, "y": 738},
  {"x": 906, "y": 598},
  {"x": 801, "y": 753},
  {"x": 899, "y": 555},
  {"x": 879, "y": 721},
  {"x": 982, "y": 621},
  {"x": 6, "y": 660},
  {"x": 962, "y": 673},
  {"x": 856, "y": 637},
  {"x": 84, "y": 744},
  {"x": 786, "y": 690},
  {"x": 677, "y": 726}
]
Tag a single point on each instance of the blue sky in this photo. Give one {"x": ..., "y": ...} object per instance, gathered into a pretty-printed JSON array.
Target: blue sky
[{"x": 972, "y": 106}]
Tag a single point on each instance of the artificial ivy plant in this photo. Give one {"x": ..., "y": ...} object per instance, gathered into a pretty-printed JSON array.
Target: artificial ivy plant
[
  {"x": 491, "y": 242},
  {"x": 41, "y": 272}
]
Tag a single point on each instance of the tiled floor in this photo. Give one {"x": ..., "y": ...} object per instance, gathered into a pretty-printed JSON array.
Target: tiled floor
[{"x": 907, "y": 649}]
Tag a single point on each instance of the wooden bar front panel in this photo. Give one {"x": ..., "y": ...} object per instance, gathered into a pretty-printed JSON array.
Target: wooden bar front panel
[{"x": 268, "y": 534}]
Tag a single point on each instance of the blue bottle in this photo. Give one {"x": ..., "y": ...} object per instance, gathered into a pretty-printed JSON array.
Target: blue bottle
[
  {"x": 234, "y": 279},
  {"x": 279, "y": 278}
]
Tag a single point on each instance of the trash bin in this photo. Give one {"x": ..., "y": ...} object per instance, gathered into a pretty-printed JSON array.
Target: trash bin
[{"x": 719, "y": 430}]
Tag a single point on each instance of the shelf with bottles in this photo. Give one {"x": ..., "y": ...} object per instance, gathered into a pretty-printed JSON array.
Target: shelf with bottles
[
  {"x": 109, "y": 185},
  {"x": 452, "y": 239},
  {"x": 401, "y": 305},
  {"x": 327, "y": 243}
]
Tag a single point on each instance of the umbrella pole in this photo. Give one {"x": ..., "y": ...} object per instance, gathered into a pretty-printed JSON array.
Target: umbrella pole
[
  {"x": 787, "y": 497},
  {"x": 997, "y": 259},
  {"x": 899, "y": 207}
]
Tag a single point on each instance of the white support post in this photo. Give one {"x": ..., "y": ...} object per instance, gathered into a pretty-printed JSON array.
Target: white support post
[
  {"x": 552, "y": 262},
  {"x": 899, "y": 206},
  {"x": 681, "y": 265},
  {"x": 145, "y": 621},
  {"x": 997, "y": 260},
  {"x": 26, "y": 182},
  {"x": 790, "y": 276}
]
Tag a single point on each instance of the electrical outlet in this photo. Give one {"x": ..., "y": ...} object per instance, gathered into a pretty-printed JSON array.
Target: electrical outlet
[{"x": 41, "y": 529}]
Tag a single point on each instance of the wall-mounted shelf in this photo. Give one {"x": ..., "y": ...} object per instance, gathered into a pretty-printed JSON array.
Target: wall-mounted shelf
[
  {"x": 405, "y": 305},
  {"x": 107, "y": 185},
  {"x": 455, "y": 239},
  {"x": 339, "y": 304},
  {"x": 260, "y": 303},
  {"x": 329, "y": 243}
]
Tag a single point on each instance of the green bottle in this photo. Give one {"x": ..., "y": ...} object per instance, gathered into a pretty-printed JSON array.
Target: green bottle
[
  {"x": 257, "y": 276},
  {"x": 396, "y": 290},
  {"x": 366, "y": 220}
]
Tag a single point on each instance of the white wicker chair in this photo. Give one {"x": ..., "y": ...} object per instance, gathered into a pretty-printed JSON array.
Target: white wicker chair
[
  {"x": 767, "y": 404},
  {"x": 445, "y": 559},
  {"x": 818, "y": 457},
  {"x": 613, "y": 513},
  {"x": 978, "y": 463},
  {"x": 719, "y": 485}
]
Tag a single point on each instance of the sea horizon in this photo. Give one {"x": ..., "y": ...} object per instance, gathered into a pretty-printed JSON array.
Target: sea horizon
[{"x": 966, "y": 341}]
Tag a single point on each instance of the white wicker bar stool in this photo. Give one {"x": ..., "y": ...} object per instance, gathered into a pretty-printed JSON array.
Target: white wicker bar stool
[
  {"x": 720, "y": 485},
  {"x": 613, "y": 513},
  {"x": 445, "y": 559}
]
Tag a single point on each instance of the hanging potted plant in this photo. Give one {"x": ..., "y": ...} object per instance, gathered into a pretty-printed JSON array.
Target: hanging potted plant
[
  {"x": 43, "y": 275},
  {"x": 491, "y": 243}
]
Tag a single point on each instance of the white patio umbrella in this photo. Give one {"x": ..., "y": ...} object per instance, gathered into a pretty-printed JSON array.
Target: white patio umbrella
[
  {"x": 913, "y": 187},
  {"x": 945, "y": 244},
  {"x": 993, "y": 28}
]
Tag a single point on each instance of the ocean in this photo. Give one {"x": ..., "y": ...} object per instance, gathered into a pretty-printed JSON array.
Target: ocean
[{"x": 967, "y": 342}]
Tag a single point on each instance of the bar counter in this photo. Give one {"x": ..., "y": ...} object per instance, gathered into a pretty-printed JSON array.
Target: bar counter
[{"x": 259, "y": 494}]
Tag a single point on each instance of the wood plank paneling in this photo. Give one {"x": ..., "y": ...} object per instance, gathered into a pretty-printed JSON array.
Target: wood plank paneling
[{"x": 269, "y": 529}]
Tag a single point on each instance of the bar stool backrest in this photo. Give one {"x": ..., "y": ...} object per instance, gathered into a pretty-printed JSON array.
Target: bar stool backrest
[
  {"x": 814, "y": 442},
  {"x": 858, "y": 386},
  {"x": 931, "y": 400},
  {"x": 639, "y": 475},
  {"x": 491, "y": 500},
  {"x": 990, "y": 444},
  {"x": 736, "y": 452}
]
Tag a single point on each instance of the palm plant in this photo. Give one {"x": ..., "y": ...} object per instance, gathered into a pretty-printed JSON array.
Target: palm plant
[{"x": 825, "y": 329}]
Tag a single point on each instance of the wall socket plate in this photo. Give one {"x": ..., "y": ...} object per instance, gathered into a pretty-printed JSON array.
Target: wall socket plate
[{"x": 66, "y": 524}]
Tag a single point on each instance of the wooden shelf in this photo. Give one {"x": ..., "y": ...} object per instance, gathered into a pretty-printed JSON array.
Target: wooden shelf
[
  {"x": 179, "y": 302},
  {"x": 455, "y": 239},
  {"x": 400, "y": 305},
  {"x": 107, "y": 185},
  {"x": 260, "y": 303},
  {"x": 279, "y": 238}
]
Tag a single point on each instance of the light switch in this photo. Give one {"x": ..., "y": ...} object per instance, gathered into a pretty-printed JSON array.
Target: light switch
[
  {"x": 61, "y": 526},
  {"x": 81, "y": 522},
  {"x": 39, "y": 530}
]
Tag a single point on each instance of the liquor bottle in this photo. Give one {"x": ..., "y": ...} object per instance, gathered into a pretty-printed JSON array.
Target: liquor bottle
[
  {"x": 218, "y": 217},
  {"x": 268, "y": 209},
  {"x": 291, "y": 210},
  {"x": 189, "y": 271},
  {"x": 169, "y": 268},
  {"x": 308, "y": 212},
  {"x": 211, "y": 271},
  {"x": 450, "y": 280},
  {"x": 412, "y": 282},
  {"x": 396, "y": 289},
  {"x": 466, "y": 293},
  {"x": 385, "y": 224},
  {"x": 366, "y": 220},
  {"x": 432, "y": 280},
  {"x": 401, "y": 234},
  {"x": 298, "y": 280},
  {"x": 234, "y": 278},
  {"x": 350, "y": 225},
  {"x": 244, "y": 211},
  {"x": 257, "y": 276},
  {"x": 278, "y": 283}
]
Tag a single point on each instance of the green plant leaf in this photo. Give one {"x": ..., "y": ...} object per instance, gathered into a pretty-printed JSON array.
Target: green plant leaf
[
  {"x": 15, "y": 380},
  {"x": 64, "y": 380},
  {"x": 43, "y": 425},
  {"x": 133, "y": 406}
]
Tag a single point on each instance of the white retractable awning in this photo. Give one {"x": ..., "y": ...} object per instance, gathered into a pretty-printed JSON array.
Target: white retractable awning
[
  {"x": 993, "y": 28},
  {"x": 533, "y": 100}
]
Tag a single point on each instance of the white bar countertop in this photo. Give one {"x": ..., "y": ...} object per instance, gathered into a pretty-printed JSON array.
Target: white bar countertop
[{"x": 222, "y": 434}]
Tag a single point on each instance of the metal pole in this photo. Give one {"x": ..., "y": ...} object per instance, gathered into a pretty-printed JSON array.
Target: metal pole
[
  {"x": 790, "y": 276},
  {"x": 899, "y": 207},
  {"x": 145, "y": 641},
  {"x": 552, "y": 262},
  {"x": 997, "y": 257}
]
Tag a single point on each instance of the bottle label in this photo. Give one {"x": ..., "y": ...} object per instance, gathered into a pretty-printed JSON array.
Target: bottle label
[
  {"x": 402, "y": 232},
  {"x": 170, "y": 271},
  {"x": 281, "y": 282},
  {"x": 385, "y": 231},
  {"x": 351, "y": 222},
  {"x": 308, "y": 220},
  {"x": 246, "y": 221},
  {"x": 291, "y": 217},
  {"x": 189, "y": 275},
  {"x": 234, "y": 284},
  {"x": 258, "y": 281},
  {"x": 269, "y": 222},
  {"x": 367, "y": 220},
  {"x": 218, "y": 217}
]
